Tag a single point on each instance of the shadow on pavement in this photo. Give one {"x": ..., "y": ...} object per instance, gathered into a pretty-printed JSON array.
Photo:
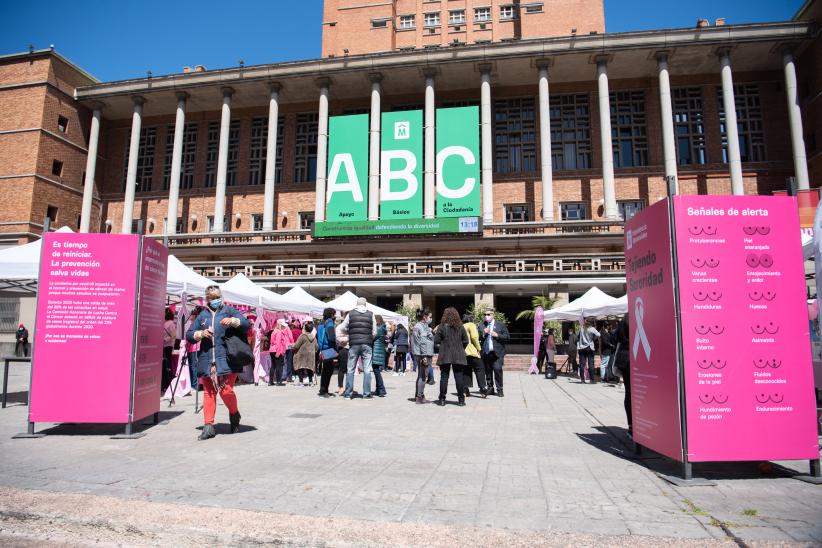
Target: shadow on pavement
[
  {"x": 94, "y": 429},
  {"x": 18, "y": 398}
]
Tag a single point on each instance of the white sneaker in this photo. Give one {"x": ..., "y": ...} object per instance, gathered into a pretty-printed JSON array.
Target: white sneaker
[
  {"x": 295, "y": 378},
  {"x": 305, "y": 382},
  {"x": 394, "y": 374}
]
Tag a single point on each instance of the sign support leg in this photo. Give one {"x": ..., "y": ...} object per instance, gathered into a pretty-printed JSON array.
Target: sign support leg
[
  {"x": 129, "y": 433},
  {"x": 29, "y": 433}
]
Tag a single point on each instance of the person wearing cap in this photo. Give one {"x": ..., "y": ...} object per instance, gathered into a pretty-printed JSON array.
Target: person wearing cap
[
  {"x": 493, "y": 338},
  {"x": 361, "y": 327}
]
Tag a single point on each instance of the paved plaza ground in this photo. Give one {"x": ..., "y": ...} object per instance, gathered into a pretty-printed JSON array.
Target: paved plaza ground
[{"x": 549, "y": 464}]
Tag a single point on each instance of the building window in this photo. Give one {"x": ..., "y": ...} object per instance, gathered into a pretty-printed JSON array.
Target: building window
[
  {"x": 629, "y": 208},
  {"x": 408, "y": 21},
  {"x": 210, "y": 223},
  {"x": 533, "y": 8},
  {"x": 306, "y": 220},
  {"x": 379, "y": 23},
  {"x": 573, "y": 211},
  {"x": 431, "y": 19},
  {"x": 515, "y": 148},
  {"x": 135, "y": 226},
  {"x": 628, "y": 133},
  {"x": 507, "y": 12},
  {"x": 305, "y": 156},
  {"x": 461, "y": 103},
  {"x": 412, "y": 106},
  {"x": 62, "y": 124},
  {"x": 518, "y": 213},
  {"x": 570, "y": 132},
  {"x": 257, "y": 222},
  {"x": 482, "y": 14},
  {"x": 187, "y": 158},
  {"x": 145, "y": 159},
  {"x": 212, "y": 151},
  {"x": 9, "y": 314},
  {"x": 51, "y": 213},
  {"x": 257, "y": 150},
  {"x": 748, "y": 121},
  {"x": 233, "y": 153},
  {"x": 689, "y": 126},
  {"x": 57, "y": 168},
  {"x": 456, "y": 17}
]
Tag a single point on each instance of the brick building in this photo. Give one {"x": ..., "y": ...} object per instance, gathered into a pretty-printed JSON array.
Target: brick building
[{"x": 248, "y": 148}]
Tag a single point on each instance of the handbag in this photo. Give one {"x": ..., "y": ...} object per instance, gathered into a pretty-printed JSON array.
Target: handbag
[
  {"x": 238, "y": 351},
  {"x": 328, "y": 354}
]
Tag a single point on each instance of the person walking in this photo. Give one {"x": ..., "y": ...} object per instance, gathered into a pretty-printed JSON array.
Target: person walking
[
  {"x": 169, "y": 336},
  {"x": 209, "y": 329},
  {"x": 607, "y": 346},
  {"x": 422, "y": 346},
  {"x": 585, "y": 349},
  {"x": 342, "y": 358},
  {"x": 400, "y": 341},
  {"x": 379, "y": 358},
  {"x": 572, "y": 348},
  {"x": 361, "y": 328},
  {"x": 473, "y": 357},
  {"x": 326, "y": 340},
  {"x": 493, "y": 338},
  {"x": 452, "y": 340},
  {"x": 622, "y": 365},
  {"x": 280, "y": 340},
  {"x": 21, "y": 345},
  {"x": 305, "y": 354}
]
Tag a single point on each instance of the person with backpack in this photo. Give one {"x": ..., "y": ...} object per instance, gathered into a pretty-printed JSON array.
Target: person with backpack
[{"x": 327, "y": 345}]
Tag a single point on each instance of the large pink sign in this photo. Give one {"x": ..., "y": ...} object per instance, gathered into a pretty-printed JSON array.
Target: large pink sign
[
  {"x": 654, "y": 376},
  {"x": 746, "y": 351},
  {"x": 84, "y": 338}
]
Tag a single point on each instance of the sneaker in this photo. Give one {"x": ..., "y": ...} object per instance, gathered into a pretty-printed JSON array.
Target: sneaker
[
  {"x": 440, "y": 402},
  {"x": 347, "y": 397},
  {"x": 500, "y": 394},
  {"x": 306, "y": 383},
  {"x": 420, "y": 400},
  {"x": 368, "y": 397},
  {"x": 208, "y": 432},
  {"x": 432, "y": 381},
  {"x": 394, "y": 374}
]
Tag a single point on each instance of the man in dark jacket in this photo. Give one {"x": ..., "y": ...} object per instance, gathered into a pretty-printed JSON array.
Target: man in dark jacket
[
  {"x": 209, "y": 328},
  {"x": 361, "y": 327},
  {"x": 493, "y": 337},
  {"x": 22, "y": 338}
]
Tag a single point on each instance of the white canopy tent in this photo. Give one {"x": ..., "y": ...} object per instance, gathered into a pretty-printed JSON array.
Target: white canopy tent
[
  {"x": 20, "y": 267},
  {"x": 241, "y": 290},
  {"x": 347, "y": 301},
  {"x": 300, "y": 295},
  {"x": 181, "y": 278},
  {"x": 593, "y": 304}
]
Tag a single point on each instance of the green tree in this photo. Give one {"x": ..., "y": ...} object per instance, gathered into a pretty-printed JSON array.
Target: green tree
[
  {"x": 547, "y": 302},
  {"x": 409, "y": 312}
]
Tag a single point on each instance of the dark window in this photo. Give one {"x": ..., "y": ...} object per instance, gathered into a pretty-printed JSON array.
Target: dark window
[
  {"x": 628, "y": 133},
  {"x": 62, "y": 124},
  {"x": 51, "y": 213},
  {"x": 212, "y": 151},
  {"x": 748, "y": 122},
  {"x": 629, "y": 208},
  {"x": 461, "y": 103},
  {"x": 305, "y": 157},
  {"x": 306, "y": 220},
  {"x": 257, "y": 221},
  {"x": 573, "y": 211},
  {"x": 518, "y": 213},
  {"x": 259, "y": 149},
  {"x": 9, "y": 314},
  {"x": 570, "y": 132},
  {"x": 233, "y": 163},
  {"x": 135, "y": 226},
  {"x": 398, "y": 108},
  {"x": 145, "y": 159},
  {"x": 689, "y": 126},
  {"x": 379, "y": 23},
  {"x": 515, "y": 148},
  {"x": 210, "y": 223},
  {"x": 187, "y": 158},
  {"x": 57, "y": 168}
]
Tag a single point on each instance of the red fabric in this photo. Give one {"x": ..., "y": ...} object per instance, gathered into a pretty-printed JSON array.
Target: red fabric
[{"x": 210, "y": 397}]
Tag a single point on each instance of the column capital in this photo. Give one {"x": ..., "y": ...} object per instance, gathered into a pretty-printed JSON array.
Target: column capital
[
  {"x": 275, "y": 87},
  {"x": 485, "y": 68},
  {"x": 227, "y": 91},
  {"x": 429, "y": 72},
  {"x": 182, "y": 96},
  {"x": 544, "y": 63},
  {"x": 601, "y": 59},
  {"x": 662, "y": 56},
  {"x": 138, "y": 100},
  {"x": 375, "y": 77},
  {"x": 323, "y": 82},
  {"x": 97, "y": 105},
  {"x": 723, "y": 52}
]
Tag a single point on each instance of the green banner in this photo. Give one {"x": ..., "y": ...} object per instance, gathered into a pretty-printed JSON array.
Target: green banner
[
  {"x": 401, "y": 165},
  {"x": 332, "y": 229},
  {"x": 458, "y": 162},
  {"x": 347, "y": 187}
]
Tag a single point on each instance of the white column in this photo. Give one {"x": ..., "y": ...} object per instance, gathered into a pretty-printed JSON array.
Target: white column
[
  {"x": 271, "y": 157},
  {"x": 731, "y": 129},
  {"x": 608, "y": 192},
  {"x": 800, "y": 161},
  {"x": 487, "y": 150},
  {"x": 429, "y": 189},
  {"x": 176, "y": 162},
  {"x": 374, "y": 150},
  {"x": 545, "y": 144},
  {"x": 667, "y": 114},
  {"x": 322, "y": 151},
  {"x": 131, "y": 172},
  {"x": 222, "y": 161},
  {"x": 91, "y": 166}
]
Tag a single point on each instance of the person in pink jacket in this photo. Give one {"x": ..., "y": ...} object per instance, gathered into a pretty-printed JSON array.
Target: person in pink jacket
[{"x": 280, "y": 341}]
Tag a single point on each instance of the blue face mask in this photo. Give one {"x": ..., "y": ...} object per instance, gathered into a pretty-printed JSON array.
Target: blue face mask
[{"x": 215, "y": 304}]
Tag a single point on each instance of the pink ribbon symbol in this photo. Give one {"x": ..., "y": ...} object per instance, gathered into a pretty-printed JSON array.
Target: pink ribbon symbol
[{"x": 640, "y": 337}]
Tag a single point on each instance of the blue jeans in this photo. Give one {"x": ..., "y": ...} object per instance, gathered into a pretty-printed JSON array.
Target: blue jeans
[
  {"x": 289, "y": 363},
  {"x": 605, "y": 367},
  {"x": 378, "y": 377},
  {"x": 354, "y": 352}
]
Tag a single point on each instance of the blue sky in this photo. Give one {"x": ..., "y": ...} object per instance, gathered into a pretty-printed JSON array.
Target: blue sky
[{"x": 121, "y": 39}]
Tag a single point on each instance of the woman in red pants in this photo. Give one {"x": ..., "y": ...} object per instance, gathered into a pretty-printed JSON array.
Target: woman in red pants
[{"x": 209, "y": 328}]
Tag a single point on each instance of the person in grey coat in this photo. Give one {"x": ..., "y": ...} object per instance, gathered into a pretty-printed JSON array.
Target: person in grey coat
[
  {"x": 452, "y": 340},
  {"x": 422, "y": 345}
]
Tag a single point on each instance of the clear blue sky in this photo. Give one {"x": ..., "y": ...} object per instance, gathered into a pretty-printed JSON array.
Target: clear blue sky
[{"x": 121, "y": 39}]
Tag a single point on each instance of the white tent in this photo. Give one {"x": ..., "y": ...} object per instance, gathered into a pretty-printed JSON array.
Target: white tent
[
  {"x": 241, "y": 290},
  {"x": 20, "y": 266},
  {"x": 300, "y": 295},
  {"x": 181, "y": 278},
  {"x": 347, "y": 301},
  {"x": 594, "y": 303}
]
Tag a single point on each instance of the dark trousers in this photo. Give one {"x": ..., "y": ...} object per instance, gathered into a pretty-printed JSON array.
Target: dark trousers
[
  {"x": 302, "y": 373},
  {"x": 586, "y": 358},
  {"x": 325, "y": 375},
  {"x": 343, "y": 367},
  {"x": 493, "y": 370},
  {"x": 422, "y": 373},
  {"x": 278, "y": 365},
  {"x": 21, "y": 345},
  {"x": 377, "y": 370},
  {"x": 399, "y": 357},
  {"x": 459, "y": 379},
  {"x": 478, "y": 368},
  {"x": 626, "y": 378},
  {"x": 540, "y": 358},
  {"x": 167, "y": 367}
]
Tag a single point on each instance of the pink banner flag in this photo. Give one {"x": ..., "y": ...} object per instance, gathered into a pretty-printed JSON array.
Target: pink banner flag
[{"x": 539, "y": 316}]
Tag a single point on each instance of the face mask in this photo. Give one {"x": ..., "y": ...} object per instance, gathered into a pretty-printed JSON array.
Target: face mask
[
  {"x": 215, "y": 304},
  {"x": 427, "y": 322}
]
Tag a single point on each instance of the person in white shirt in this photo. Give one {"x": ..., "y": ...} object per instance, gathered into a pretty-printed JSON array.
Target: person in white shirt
[{"x": 585, "y": 348}]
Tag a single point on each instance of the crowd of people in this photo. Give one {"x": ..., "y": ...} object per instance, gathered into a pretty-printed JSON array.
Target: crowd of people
[{"x": 358, "y": 341}]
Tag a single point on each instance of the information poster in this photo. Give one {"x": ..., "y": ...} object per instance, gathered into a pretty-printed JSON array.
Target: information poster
[
  {"x": 746, "y": 351},
  {"x": 654, "y": 375}
]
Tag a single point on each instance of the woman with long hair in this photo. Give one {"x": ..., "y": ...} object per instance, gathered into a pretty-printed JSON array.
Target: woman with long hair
[
  {"x": 472, "y": 354},
  {"x": 422, "y": 346},
  {"x": 400, "y": 341},
  {"x": 452, "y": 340}
]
